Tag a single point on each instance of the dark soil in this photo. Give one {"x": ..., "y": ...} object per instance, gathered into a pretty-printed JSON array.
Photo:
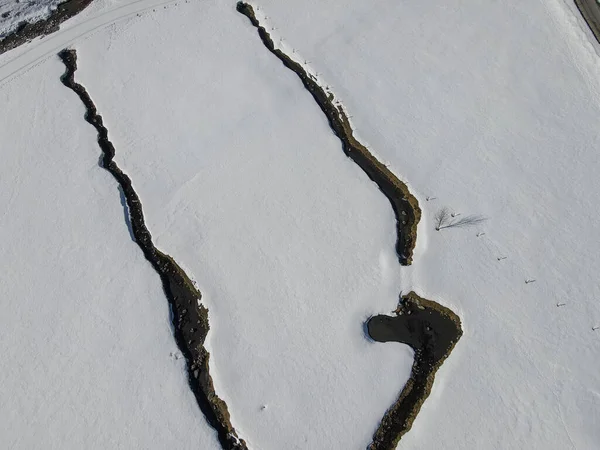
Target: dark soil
[
  {"x": 190, "y": 318},
  {"x": 429, "y": 328},
  {"x": 28, "y": 31}
]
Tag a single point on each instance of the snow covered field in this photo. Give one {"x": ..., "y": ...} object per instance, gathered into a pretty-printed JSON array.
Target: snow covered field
[
  {"x": 489, "y": 108},
  {"x": 85, "y": 336},
  {"x": 244, "y": 184},
  {"x": 493, "y": 109}
]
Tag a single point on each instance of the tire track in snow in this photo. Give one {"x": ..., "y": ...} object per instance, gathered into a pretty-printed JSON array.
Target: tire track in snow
[
  {"x": 429, "y": 328},
  {"x": 190, "y": 318}
]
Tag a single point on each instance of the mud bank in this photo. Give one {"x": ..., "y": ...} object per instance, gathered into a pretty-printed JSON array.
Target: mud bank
[{"x": 190, "y": 318}]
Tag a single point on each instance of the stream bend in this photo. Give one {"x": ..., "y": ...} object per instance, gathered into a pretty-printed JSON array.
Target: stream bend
[{"x": 431, "y": 329}]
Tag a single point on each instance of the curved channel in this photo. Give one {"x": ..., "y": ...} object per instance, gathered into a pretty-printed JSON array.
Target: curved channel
[{"x": 431, "y": 329}]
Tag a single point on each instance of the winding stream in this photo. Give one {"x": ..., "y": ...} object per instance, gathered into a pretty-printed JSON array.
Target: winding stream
[
  {"x": 431, "y": 329},
  {"x": 190, "y": 318}
]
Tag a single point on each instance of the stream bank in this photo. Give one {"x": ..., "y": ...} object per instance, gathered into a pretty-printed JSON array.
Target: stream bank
[{"x": 28, "y": 31}]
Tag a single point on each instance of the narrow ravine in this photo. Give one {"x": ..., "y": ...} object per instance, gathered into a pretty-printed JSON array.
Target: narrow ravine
[
  {"x": 28, "y": 31},
  {"x": 428, "y": 327},
  {"x": 190, "y": 318}
]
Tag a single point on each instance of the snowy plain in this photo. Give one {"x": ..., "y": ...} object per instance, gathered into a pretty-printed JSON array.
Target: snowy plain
[
  {"x": 488, "y": 108},
  {"x": 491, "y": 108},
  {"x": 244, "y": 184},
  {"x": 88, "y": 357}
]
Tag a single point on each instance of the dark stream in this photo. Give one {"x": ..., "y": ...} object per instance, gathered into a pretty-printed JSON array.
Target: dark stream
[
  {"x": 190, "y": 318},
  {"x": 429, "y": 328}
]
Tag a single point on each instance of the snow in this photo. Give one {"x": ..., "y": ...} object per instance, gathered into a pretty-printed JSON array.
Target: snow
[
  {"x": 85, "y": 335},
  {"x": 491, "y": 108},
  {"x": 244, "y": 184},
  {"x": 13, "y": 12}
]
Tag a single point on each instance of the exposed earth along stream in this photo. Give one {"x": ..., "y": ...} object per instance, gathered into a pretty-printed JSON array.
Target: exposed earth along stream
[
  {"x": 429, "y": 328},
  {"x": 190, "y": 318},
  {"x": 28, "y": 31}
]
